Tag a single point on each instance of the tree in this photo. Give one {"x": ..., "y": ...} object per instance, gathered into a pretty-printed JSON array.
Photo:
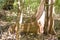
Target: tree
[
  {"x": 49, "y": 28},
  {"x": 20, "y": 10}
]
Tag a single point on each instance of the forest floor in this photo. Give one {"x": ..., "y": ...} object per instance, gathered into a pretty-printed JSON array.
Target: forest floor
[
  {"x": 31, "y": 36},
  {"x": 8, "y": 36}
]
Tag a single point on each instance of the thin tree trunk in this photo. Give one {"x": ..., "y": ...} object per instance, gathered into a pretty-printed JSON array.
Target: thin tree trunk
[
  {"x": 40, "y": 10},
  {"x": 51, "y": 27},
  {"x": 17, "y": 22},
  {"x": 46, "y": 16},
  {"x": 19, "y": 17}
]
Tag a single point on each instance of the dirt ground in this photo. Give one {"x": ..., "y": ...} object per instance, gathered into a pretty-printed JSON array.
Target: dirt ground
[{"x": 31, "y": 36}]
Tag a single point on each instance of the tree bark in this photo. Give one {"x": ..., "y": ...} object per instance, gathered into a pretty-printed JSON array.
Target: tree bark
[
  {"x": 40, "y": 10},
  {"x": 51, "y": 27},
  {"x": 46, "y": 16},
  {"x": 17, "y": 22}
]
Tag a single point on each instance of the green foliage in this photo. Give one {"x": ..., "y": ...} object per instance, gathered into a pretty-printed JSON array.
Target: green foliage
[
  {"x": 32, "y": 3},
  {"x": 57, "y": 6},
  {"x": 15, "y": 5},
  {"x": 2, "y": 2},
  {"x": 57, "y": 3}
]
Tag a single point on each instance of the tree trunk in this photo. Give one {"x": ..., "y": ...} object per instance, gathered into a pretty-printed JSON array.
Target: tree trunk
[
  {"x": 19, "y": 19},
  {"x": 40, "y": 10},
  {"x": 46, "y": 16},
  {"x": 51, "y": 27},
  {"x": 17, "y": 22}
]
